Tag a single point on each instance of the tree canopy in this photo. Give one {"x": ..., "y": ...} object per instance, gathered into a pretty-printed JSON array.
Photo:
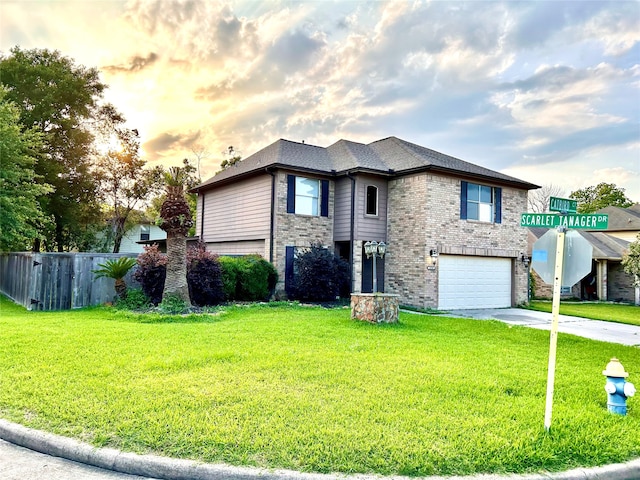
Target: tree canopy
[
  {"x": 20, "y": 213},
  {"x": 591, "y": 199},
  {"x": 59, "y": 98}
]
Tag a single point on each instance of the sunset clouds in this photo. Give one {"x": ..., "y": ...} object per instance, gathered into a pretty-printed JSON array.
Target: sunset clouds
[{"x": 545, "y": 91}]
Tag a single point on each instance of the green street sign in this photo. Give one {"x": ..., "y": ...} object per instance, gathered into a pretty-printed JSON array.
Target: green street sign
[
  {"x": 594, "y": 221},
  {"x": 567, "y": 205}
]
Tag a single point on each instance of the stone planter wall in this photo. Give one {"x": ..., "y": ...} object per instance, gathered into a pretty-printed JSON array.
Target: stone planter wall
[{"x": 374, "y": 307}]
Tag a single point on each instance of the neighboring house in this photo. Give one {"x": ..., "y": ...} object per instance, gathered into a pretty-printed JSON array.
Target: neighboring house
[
  {"x": 607, "y": 280},
  {"x": 420, "y": 202},
  {"x": 141, "y": 232}
]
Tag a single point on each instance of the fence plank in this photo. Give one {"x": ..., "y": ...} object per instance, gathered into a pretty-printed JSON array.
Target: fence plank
[{"x": 58, "y": 281}]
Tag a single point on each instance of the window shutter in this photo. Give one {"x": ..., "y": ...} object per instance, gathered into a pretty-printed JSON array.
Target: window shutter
[
  {"x": 497, "y": 192},
  {"x": 463, "y": 200},
  {"x": 291, "y": 194},
  {"x": 324, "y": 198},
  {"x": 288, "y": 269}
]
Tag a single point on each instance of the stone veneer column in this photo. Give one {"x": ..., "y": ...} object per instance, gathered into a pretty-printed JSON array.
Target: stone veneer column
[{"x": 374, "y": 307}]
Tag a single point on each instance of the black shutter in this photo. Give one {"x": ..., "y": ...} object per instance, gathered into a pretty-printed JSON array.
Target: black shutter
[
  {"x": 497, "y": 192},
  {"x": 288, "y": 269},
  {"x": 291, "y": 194},
  {"x": 324, "y": 198},
  {"x": 463, "y": 200}
]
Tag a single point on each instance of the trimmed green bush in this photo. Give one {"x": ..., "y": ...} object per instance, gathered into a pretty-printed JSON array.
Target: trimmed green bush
[{"x": 248, "y": 278}]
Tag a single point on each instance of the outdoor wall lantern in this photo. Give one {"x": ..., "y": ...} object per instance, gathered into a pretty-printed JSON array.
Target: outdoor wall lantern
[
  {"x": 524, "y": 259},
  {"x": 433, "y": 259},
  {"x": 375, "y": 249}
]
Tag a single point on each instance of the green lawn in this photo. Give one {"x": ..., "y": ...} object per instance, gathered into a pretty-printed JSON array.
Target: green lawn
[
  {"x": 610, "y": 312},
  {"x": 312, "y": 390}
]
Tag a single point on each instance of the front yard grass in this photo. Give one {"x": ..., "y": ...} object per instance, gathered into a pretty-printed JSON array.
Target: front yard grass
[
  {"x": 610, "y": 312},
  {"x": 309, "y": 389}
]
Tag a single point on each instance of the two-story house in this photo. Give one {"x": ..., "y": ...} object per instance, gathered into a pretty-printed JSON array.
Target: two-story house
[{"x": 451, "y": 227}]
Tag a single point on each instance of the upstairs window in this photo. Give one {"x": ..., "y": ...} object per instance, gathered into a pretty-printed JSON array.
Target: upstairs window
[
  {"x": 372, "y": 200},
  {"x": 144, "y": 232},
  {"x": 480, "y": 202},
  {"x": 307, "y": 196}
]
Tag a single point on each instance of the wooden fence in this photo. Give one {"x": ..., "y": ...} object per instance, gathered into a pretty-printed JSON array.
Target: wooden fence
[{"x": 58, "y": 281}]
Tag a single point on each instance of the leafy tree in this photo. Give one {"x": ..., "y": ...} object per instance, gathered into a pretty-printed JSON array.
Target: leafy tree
[
  {"x": 116, "y": 269},
  {"x": 319, "y": 274},
  {"x": 233, "y": 157},
  {"x": 124, "y": 180},
  {"x": 176, "y": 220},
  {"x": 538, "y": 200},
  {"x": 591, "y": 199},
  {"x": 59, "y": 98},
  {"x": 631, "y": 265},
  {"x": 20, "y": 212}
]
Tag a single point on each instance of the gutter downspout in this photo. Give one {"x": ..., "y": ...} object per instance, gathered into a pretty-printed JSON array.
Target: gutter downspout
[
  {"x": 273, "y": 203},
  {"x": 352, "y": 233},
  {"x": 202, "y": 219}
]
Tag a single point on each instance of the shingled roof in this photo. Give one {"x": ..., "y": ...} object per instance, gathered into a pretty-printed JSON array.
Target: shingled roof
[
  {"x": 390, "y": 157},
  {"x": 623, "y": 219}
]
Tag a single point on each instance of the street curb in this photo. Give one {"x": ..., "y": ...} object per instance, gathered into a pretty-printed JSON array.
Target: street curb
[{"x": 176, "y": 469}]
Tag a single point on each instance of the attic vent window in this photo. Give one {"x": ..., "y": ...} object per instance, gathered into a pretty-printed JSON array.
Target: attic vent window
[{"x": 144, "y": 232}]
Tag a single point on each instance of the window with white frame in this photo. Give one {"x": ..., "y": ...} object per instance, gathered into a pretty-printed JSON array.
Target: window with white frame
[
  {"x": 307, "y": 196},
  {"x": 145, "y": 231},
  {"x": 371, "y": 207}
]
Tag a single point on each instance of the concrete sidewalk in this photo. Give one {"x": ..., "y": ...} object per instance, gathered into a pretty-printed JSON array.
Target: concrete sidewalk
[{"x": 583, "y": 327}]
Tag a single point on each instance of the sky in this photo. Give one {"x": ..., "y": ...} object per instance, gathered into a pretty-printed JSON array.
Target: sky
[{"x": 545, "y": 91}]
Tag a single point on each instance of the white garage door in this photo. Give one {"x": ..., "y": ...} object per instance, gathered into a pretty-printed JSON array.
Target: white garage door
[{"x": 473, "y": 282}]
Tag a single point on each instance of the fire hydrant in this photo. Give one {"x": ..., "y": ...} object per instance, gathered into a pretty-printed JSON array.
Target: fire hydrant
[{"x": 617, "y": 388}]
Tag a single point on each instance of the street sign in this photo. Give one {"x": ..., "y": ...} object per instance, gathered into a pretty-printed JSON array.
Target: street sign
[
  {"x": 591, "y": 221},
  {"x": 577, "y": 257},
  {"x": 566, "y": 205}
]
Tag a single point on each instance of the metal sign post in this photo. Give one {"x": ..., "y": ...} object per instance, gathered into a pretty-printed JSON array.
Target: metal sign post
[{"x": 555, "y": 314}]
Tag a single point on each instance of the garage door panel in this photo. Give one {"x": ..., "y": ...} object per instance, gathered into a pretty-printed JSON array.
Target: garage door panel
[{"x": 473, "y": 282}]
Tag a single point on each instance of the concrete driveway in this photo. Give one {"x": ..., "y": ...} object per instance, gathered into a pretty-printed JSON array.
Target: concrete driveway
[{"x": 593, "y": 329}]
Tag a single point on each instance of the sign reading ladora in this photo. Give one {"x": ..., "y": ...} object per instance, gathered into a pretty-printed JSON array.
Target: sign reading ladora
[{"x": 551, "y": 220}]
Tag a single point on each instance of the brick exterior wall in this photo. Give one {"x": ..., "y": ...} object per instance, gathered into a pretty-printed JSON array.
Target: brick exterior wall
[
  {"x": 620, "y": 288},
  {"x": 424, "y": 213},
  {"x": 297, "y": 230}
]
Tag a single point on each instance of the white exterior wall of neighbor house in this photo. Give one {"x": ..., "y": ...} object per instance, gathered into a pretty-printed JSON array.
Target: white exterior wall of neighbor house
[
  {"x": 424, "y": 213},
  {"x": 237, "y": 217},
  {"x": 132, "y": 236},
  {"x": 295, "y": 230}
]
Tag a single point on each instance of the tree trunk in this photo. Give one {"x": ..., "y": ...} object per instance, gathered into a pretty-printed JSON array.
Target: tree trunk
[
  {"x": 119, "y": 232},
  {"x": 121, "y": 288},
  {"x": 176, "y": 279}
]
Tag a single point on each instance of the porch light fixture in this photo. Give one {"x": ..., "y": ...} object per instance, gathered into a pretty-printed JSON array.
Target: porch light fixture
[
  {"x": 433, "y": 259},
  {"x": 524, "y": 259},
  {"x": 375, "y": 249}
]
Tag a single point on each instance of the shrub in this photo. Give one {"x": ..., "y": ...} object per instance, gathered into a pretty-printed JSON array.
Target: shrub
[
  {"x": 248, "y": 278},
  {"x": 319, "y": 275},
  {"x": 204, "y": 276},
  {"x": 151, "y": 273},
  {"x": 230, "y": 267},
  {"x": 257, "y": 278},
  {"x": 135, "y": 299}
]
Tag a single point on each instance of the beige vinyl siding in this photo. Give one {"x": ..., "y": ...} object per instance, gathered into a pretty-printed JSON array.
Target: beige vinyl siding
[
  {"x": 368, "y": 227},
  {"x": 239, "y": 211},
  {"x": 246, "y": 247},
  {"x": 342, "y": 210}
]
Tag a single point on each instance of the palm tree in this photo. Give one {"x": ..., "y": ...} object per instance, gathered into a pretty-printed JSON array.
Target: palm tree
[
  {"x": 116, "y": 269},
  {"x": 175, "y": 219}
]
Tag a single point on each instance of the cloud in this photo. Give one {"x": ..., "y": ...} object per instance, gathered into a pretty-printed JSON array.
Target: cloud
[
  {"x": 134, "y": 64},
  {"x": 166, "y": 144}
]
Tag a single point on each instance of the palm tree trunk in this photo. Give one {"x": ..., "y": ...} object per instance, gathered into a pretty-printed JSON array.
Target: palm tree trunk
[{"x": 176, "y": 280}]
